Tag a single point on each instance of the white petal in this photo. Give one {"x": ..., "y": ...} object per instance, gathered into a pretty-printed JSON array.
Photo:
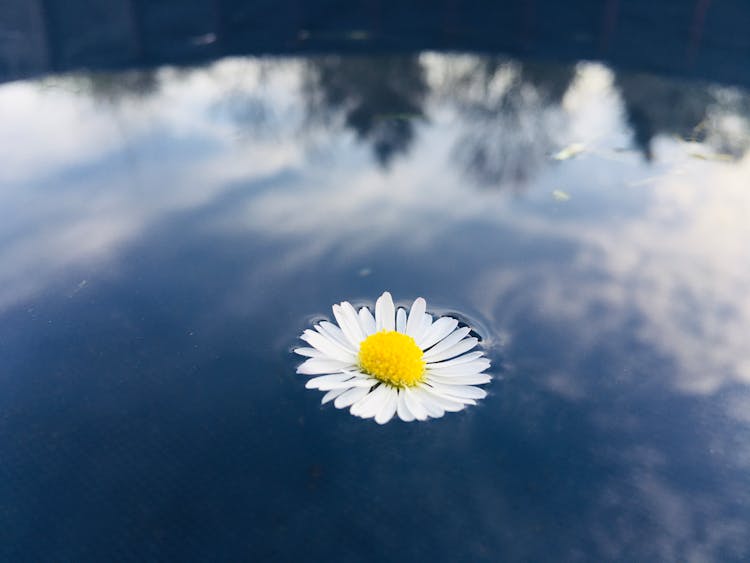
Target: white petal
[
  {"x": 309, "y": 352},
  {"x": 401, "y": 320},
  {"x": 336, "y": 334},
  {"x": 350, "y": 396},
  {"x": 456, "y": 361},
  {"x": 329, "y": 347},
  {"x": 402, "y": 409},
  {"x": 432, "y": 407},
  {"x": 366, "y": 383},
  {"x": 448, "y": 403},
  {"x": 469, "y": 368},
  {"x": 316, "y": 366},
  {"x": 367, "y": 321},
  {"x": 446, "y": 343},
  {"x": 353, "y": 318},
  {"x": 463, "y": 391},
  {"x": 459, "y": 348},
  {"x": 348, "y": 320},
  {"x": 385, "y": 313},
  {"x": 416, "y": 316},
  {"x": 415, "y": 405},
  {"x": 463, "y": 400},
  {"x": 315, "y": 382},
  {"x": 475, "y": 379},
  {"x": 332, "y": 394},
  {"x": 368, "y": 406},
  {"x": 328, "y": 382},
  {"x": 426, "y": 325},
  {"x": 439, "y": 330},
  {"x": 388, "y": 409},
  {"x": 358, "y": 405}
]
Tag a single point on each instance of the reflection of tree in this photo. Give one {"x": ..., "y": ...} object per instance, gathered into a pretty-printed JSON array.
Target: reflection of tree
[
  {"x": 511, "y": 114},
  {"x": 378, "y": 97},
  {"x": 692, "y": 111},
  {"x": 110, "y": 87},
  {"x": 508, "y": 111}
]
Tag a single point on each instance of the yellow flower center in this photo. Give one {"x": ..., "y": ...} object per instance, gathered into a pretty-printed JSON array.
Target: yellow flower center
[{"x": 394, "y": 358}]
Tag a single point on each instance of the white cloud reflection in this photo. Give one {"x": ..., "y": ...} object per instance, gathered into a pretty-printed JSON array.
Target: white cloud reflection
[{"x": 86, "y": 177}]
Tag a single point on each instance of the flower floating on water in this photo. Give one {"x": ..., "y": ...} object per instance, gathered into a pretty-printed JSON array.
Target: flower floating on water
[{"x": 394, "y": 363}]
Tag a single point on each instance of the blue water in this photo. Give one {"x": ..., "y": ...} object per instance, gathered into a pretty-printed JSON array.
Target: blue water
[{"x": 167, "y": 233}]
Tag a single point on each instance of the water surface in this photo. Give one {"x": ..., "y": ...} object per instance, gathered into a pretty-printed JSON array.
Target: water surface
[{"x": 166, "y": 234}]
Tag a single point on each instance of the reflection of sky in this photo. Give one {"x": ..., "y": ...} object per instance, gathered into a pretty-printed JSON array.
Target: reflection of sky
[{"x": 620, "y": 316}]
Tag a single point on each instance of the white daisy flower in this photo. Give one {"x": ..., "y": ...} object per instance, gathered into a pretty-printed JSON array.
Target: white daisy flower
[{"x": 393, "y": 363}]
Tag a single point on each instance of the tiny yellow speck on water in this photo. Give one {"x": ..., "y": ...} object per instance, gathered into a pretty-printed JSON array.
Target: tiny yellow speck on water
[
  {"x": 570, "y": 151},
  {"x": 393, "y": 357}
]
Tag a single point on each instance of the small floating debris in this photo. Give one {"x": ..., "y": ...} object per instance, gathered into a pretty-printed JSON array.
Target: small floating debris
[
  {"x": 393, "y": 363},
  {"x": 358, "y": 35},
  {"x": 79, "y": 287},
  {"x": 206, "y": 39},
  {"x": 717, "y": 157},
  {"x": 560, "y": 195},
  {"x": 570, "y": 151},
  {"x": 697, "y": 150}
]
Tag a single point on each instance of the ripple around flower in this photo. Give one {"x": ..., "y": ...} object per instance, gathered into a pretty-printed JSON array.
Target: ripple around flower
[{"x": 393, "y": 363}]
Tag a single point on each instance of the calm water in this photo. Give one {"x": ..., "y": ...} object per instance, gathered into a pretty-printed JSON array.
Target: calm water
[{"x": 166, "y": 234}]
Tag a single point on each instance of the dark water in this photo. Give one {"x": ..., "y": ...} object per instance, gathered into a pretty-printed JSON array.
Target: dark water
[{"x": 166, "y": 233}]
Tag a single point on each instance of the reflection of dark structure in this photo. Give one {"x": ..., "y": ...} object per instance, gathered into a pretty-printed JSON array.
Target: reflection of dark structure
[
  {"x": 689, "y": 37},
  {"x": 691, "y": 111},
  {"x": 511, "y": 109},
  {"x": 379, "y": 98},
  {"x": 549, "y": 81},
  {"x": 657, "y": 106}
]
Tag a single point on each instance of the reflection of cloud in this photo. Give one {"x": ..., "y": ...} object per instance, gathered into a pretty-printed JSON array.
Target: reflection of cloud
[
  {"x": 681, "y": 265},
  {"x": 698, "y": 527},
  {"x": 686, "y": 268},
  {"x": 72, "y": 198},
  {"x": 35, "y": 135},
  {"x": 673, "y": 257}
]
